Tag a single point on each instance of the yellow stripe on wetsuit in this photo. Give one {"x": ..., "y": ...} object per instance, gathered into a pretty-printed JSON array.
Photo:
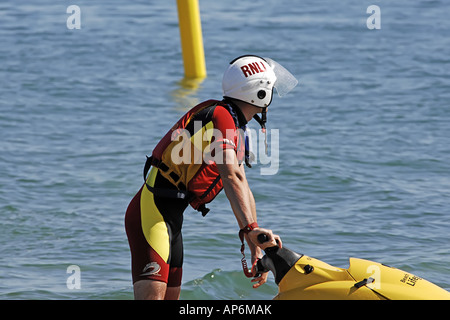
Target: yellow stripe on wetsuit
[{"x": 153, "y": 224}]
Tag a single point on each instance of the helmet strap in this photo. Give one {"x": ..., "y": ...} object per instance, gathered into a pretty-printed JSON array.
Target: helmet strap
[{"x": 262, "y": 122}]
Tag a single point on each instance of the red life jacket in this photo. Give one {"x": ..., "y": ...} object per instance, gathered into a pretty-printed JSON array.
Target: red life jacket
[{"x": 197, "y": 181}]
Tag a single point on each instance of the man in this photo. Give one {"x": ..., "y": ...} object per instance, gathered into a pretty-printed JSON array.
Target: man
[{"x": 201, "y": 155}]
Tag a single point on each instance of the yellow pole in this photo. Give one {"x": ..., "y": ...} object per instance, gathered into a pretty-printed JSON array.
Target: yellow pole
[{"x": 191, "y": 39}]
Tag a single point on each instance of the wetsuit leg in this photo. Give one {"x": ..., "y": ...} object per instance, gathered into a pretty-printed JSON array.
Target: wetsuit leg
[
  {"x": 153, "y": 226},
  {"x": 172, "y": 211}
]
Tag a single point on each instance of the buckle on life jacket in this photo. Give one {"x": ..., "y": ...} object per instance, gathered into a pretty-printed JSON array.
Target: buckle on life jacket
[
  {"x": 168, "y": 193},
  {"x": 162, "y": 192},
  {"x": 203, "y": 209},
  {"x": 148, "y": 164}
]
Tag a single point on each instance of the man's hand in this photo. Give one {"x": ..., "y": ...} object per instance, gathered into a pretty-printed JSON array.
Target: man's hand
[
  {"x": 273, "y": 239},
  {"x": 260, "y": 280}
]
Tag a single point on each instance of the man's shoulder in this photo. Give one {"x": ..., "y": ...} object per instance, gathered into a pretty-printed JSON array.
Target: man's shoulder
[{"x": 223, "y": 118}]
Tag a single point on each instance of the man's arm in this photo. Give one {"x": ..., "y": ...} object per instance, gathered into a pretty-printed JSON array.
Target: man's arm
[
  {"x": 241, "y": 199},
  {"x": 243, "y": 205}
]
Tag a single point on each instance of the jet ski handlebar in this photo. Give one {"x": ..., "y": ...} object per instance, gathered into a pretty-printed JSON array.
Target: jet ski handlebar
[
  {"x": 278, "y": 260},
  {"x": 263, "y": 238}
]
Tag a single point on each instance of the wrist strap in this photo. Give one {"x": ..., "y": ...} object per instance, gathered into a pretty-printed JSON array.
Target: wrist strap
[{"x": 246, "y": 230}]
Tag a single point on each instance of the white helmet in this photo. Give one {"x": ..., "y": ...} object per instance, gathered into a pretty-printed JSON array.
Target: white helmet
[{"x": 251, "y": 79}]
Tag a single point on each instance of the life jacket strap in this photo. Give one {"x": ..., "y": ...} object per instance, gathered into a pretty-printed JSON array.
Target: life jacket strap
[
  {"x": 168, "y": 193},
  {"x": 162, "y": 192}
]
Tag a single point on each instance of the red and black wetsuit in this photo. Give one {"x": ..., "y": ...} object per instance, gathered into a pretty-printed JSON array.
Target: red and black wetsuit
[{"x": 154, "y": 217}]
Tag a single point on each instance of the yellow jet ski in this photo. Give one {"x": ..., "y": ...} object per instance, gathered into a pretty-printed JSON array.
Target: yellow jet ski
[{"x": 301, "y": 277}]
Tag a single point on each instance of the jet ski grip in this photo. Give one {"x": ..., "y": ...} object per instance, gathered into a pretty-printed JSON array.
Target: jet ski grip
[{"x": 263, "y": 238}]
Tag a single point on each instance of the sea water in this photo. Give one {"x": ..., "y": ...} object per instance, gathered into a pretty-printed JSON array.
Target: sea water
[{"x": 363, "y": 143}]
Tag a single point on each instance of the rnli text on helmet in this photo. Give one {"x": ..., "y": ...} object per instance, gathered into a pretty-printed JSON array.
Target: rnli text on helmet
[{"x": 252, "y": 68}]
